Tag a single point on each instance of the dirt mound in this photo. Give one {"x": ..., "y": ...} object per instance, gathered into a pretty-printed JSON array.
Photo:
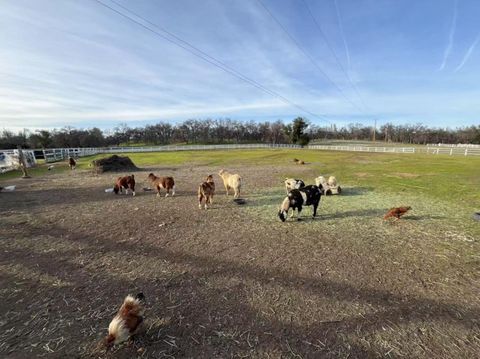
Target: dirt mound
[{"x": 114, "y": 164}]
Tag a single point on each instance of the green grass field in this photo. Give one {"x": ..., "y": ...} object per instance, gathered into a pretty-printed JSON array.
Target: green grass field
[
  {"x": 448, "y": 184},
  {"x": 454, "y": 179}
]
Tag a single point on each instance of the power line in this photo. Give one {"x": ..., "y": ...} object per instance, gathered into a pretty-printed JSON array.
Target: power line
[
  {"x": 312, "y": 60},
  {"x": 332, "y": 50},
  {"x": 204, "y": 56},
  {"x": 340, "y": 26}
]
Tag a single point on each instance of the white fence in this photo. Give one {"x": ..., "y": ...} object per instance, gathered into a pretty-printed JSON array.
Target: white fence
[
  {"x": 59, "y": 154},
  {"x": 364, "y": 149},
  {"x": 465, "y": 151},
  {"x": 469, "y": 145}
]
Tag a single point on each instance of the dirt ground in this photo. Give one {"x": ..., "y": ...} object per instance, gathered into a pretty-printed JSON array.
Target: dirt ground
[{"x": 232, "y": 281}]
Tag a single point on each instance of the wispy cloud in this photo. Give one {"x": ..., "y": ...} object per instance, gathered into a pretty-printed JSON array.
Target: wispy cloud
[
  {"x": 451, "y": 35},
  {"x": 141, "y": 114},
  {"x": 85, "y": 66},
  {"x": 339, "y": 19},
  {"x": 467, "y": 54}
]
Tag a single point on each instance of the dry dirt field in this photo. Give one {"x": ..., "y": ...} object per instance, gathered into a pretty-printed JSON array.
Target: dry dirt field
[{"x": 232, "y": 281}]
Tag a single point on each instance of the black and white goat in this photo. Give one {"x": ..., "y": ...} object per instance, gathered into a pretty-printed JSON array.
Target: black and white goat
[
  {"x": 306, "y": 196},
  {"x": 293, "y": 183}
]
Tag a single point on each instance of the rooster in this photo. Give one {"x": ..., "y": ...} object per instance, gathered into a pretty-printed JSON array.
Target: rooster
[
  {"x": 397, "y": 212},
  {"x": 127, "y": 321}
]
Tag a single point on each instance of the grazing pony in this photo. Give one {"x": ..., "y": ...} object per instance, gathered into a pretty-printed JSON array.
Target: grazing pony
[
  {"x": 306, "y": 196},
  {"x": 72, "y": 163},
  {"x": 231, "y": 181},
  {"x": 127, "y": 182},
  {"x": 292, "y": 183},
  {"x": 206, "y": 191},
  {"x": 167, "y": 183}
]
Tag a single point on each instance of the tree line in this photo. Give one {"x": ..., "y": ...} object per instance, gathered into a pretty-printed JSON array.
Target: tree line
[
  {"x": 408, "y": 134},
  {"x": 224, "y": 131}
]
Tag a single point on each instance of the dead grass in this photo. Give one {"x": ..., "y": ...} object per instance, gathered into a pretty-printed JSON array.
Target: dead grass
[
  {"x": 406, "y": 175},
  {"x": 347, "y": 284}
]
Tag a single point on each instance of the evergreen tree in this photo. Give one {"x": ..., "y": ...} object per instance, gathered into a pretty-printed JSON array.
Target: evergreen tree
[{"x": 298, "y": 134}]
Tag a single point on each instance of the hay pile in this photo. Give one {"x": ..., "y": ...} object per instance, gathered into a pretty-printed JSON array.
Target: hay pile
[{"x": 114, "y": 164}]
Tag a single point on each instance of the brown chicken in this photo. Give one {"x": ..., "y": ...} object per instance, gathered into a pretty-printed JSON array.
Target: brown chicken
[
  {"x": 397, "y": 212},
  {"x": 127, "y": 321}
]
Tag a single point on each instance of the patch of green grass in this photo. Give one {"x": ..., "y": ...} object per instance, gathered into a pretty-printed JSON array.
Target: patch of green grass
[
  {"x": 452, "y": 179},
  {"x": 362, "y": 211},
  {"x": 40, "y": 170},
  {"x": 209, "y": 157}
]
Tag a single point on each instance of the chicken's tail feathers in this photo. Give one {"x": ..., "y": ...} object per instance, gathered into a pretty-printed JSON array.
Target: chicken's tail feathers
[
  {"x": 130, "y": 299},
  {"x": 131, "y": 305},
  {"x": 109, "y": 340}
]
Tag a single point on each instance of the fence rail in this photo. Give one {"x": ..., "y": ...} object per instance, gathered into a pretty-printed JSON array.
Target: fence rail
[
  {"x": 465, "y": 151},
  {"x": 469, "y": 145},
  {"x": 59, "y": 154},
  {"x": 364, "y": 149}
]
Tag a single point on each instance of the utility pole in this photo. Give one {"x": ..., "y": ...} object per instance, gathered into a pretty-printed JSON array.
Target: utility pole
[{"x": 374, "y": 130}]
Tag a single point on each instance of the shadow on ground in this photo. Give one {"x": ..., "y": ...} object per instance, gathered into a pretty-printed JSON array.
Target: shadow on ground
[{"x": 201, "y": 320}]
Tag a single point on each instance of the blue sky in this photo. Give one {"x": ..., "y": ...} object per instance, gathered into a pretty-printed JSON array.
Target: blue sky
[{"x": 77, "y": 63}]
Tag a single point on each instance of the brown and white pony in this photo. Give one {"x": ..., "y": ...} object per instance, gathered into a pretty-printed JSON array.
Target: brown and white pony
[
  {"x": 167, "y": 183},
  {"x": 206, "y": 191},
  {"x": 127, "y": 182},
  {"x": 72, "y": 163}
]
